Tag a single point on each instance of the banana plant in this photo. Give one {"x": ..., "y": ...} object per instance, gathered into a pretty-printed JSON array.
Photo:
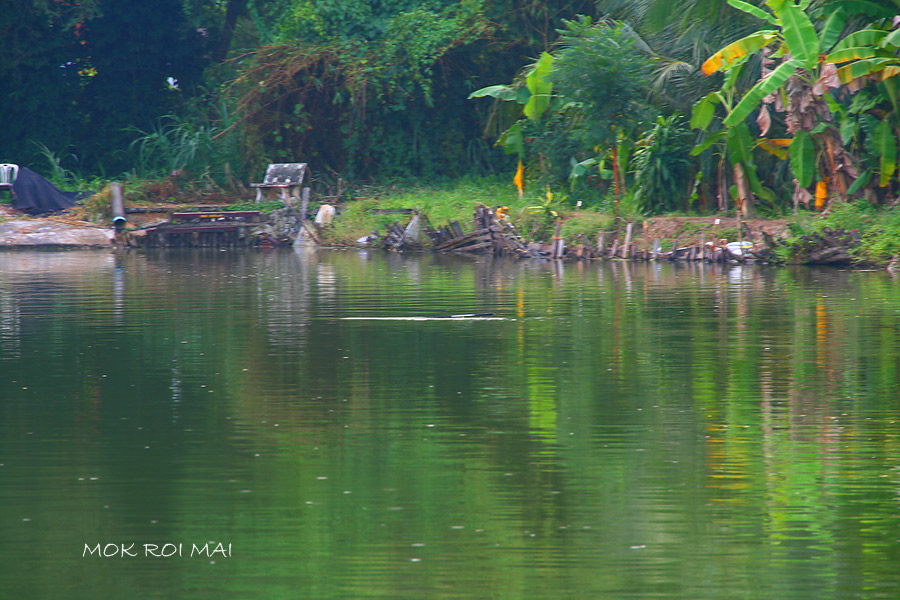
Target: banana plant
[
  {"x": 533, "y": 95},
  {"x": 801, "y": 68},
  {"x": 732, "y": 144}
]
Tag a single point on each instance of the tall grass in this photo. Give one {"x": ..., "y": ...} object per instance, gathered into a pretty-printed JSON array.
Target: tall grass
[
  {"x": 196, "y": 147},
  {"x": 63, "y": 177}
]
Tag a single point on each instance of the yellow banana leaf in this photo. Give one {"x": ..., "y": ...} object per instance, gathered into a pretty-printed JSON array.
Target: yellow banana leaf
[
  {"x": 776, "y": 147},
  {"x": 862, "y": 68},
  {"x": 735, "y": 50}
]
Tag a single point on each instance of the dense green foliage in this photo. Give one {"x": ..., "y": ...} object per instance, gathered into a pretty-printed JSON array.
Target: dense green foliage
[
  {"x": 75, "y": 77},
  {"x": 360, "y": 89},
  {"x": 819, "y": 78},
  {"x": 798, "y": 109}
]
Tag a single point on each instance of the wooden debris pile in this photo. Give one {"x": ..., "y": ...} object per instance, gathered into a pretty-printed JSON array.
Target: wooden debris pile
[
  {"x": 489, "y": 235},
  {"x": 404, "y": 239}
]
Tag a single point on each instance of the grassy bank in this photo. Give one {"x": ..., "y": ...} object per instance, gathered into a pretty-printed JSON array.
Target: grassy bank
[
  {"x": 533, "y": 214},
  {"x": 871, "y": 234}
]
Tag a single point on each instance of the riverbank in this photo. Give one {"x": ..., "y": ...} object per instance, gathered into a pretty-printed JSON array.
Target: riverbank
[{"x": 851, "y": 234}]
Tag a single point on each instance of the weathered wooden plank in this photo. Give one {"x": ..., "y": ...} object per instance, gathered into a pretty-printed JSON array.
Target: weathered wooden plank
[
  {"x": 462, "y": 239},
  {"x": 473, "y": 247},
  {"x": 214, "y": 216}
]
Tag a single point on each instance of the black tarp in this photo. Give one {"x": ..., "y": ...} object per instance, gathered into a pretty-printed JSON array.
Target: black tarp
[{"x": 35, "y": 195}]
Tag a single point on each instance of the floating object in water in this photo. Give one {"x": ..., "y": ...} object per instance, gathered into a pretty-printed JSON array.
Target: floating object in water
[{"x": 465, "y": 317}]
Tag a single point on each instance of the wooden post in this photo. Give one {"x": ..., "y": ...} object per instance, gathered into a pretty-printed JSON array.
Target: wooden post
[
  {"x": 656, "y": 245},
  {"x": 601, "y": 243},
  {"x": 626, "y": 250},
  {"x": 703, "y": 246},
  {"x": 557, "y": 241},
  {"x": 615, "y": 248},
  {"x": 304, "y": 203},
  {"x": 674, "y": 249}
]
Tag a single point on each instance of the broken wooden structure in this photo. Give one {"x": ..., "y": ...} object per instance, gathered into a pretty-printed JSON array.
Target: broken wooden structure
[
  {"x": 199, "y": 230},
  {"x": 489, "y": 235}
]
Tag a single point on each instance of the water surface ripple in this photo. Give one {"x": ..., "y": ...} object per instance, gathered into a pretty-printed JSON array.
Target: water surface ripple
[{"x": 598, "y": 431}]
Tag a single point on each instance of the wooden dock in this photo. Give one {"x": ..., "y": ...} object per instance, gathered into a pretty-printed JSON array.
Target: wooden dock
[{"x": 201, "y": 229}]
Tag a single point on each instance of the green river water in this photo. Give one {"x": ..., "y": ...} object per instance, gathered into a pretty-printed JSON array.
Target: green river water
[{"x": 306, "y": 422}]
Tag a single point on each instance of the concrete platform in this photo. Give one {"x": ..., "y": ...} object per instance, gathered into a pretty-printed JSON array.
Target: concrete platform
[{"x": 33, "y": 233}]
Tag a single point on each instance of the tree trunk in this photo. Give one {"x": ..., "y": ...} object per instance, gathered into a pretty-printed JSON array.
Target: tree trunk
[
  {"x": 234, "y": 10},
  {"x": 746, "y": 198}
]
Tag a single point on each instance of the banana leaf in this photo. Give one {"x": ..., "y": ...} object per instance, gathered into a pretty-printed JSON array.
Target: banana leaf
[
  {"x": 855, "y": 53},
  {"x": 831, "y": 31},
  {"x": 892, "y": 39},
  {"x": 703, "y": 111},
  {"x": 753, "y": 10},
  {"x": 799, "y": 34},
  {"x": 540, "y": 87},
  {"x": 763, "y": 88},
  {"x": 886, "y": 147},
  {"x": 861, "y": 182},
  {"x": 803, "y": 158},
  {"x": 863, "y": 68},
  {"x": 848, "y": 130},
  {"x": 735, "y": 50},
  {"x": 512, "y": 141},
  {"x": 500, "y": 92},
  {"x": 711, "y": 140},
  {"x": 773, "y": 148},
  {"x": 863, "y": 37},
  {"x": 871, "y": 8}
]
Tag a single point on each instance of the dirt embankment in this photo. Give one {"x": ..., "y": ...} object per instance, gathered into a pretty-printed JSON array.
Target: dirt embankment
[{"x": 688, "y": 230}]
